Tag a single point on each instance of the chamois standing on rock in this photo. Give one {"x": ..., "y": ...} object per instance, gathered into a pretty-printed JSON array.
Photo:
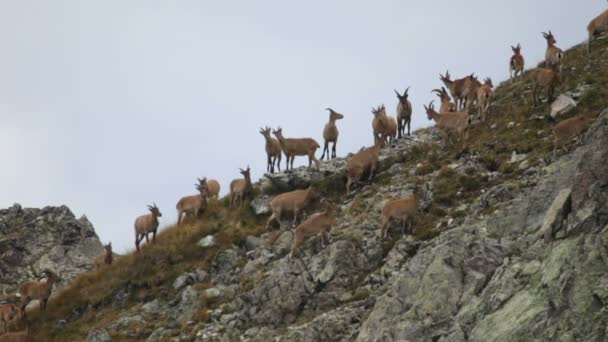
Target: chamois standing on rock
[
  {"x": 403, "y": 209},
  {"x": 484, "y": 96},
  {"x": 517, "y": 63},
  {"x": 291, "y": 202},
  {"x": 239, "y": 188},
  {"x": 273, "y": 150},
  {"x": 362, "y": 162},
  {"x": 104, "y": 258},
  {"x": 293, "y": 147},
  {"x": 543, "y": 78},
  {"x": 8, "y": 312},
  {"x": 596, "y": 27},
  {"x": 567, "y": 129},
  {"x": 404, "y": 113},
  {"x": 330, "y": 133},
  {"x": 384, "y": 127},
  {"x": 146, "y": 224},
  {"x": 39, "y": 290},
  {"x": 458, "y": 88},
  {"x": 213, "y": 188},
  {"x": 446, "y": 104},
  {"x": 319, "y": 223},
  {"x": 470, "y": 92},
  {"x": 193, "y": 205},
  {"x": 553, "y": 54},
  {"x": 448, "y": 122}
]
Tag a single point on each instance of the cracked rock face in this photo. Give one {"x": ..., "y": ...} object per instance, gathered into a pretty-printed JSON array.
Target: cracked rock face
[{"x": 32, "y": 240}]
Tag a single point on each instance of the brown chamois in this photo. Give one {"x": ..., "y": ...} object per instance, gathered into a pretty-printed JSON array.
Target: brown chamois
[
  {"x": 596, "y": 27},
  {"x": 193, "y": 205},
  {"x": 8, "y": 312},
  {"x": 362, "y": 162},
  {"x": 404, "y": 113},
  {"x": 403, "y": 209},
  {"x": 293, "y": 147},
  {"x": 384, "y": 127},
  {"x": 146, "y": 224},
  {"x": 446, "y": 102},
  {"x": 213, "y": 188},
  {"x": 543, "y": 78},
  {"x": 449, "y": 122},
  {"x": 39, "y": 290},
  {"x": 105, "y": 258},
  {"x": 553, "y": 54},
  {"x": 319, "y": 223},
  {"x": 241, "y": 187},
  {"x": 517, "y": 63},
  {"x": 19, "y": 336},
  {"x": 457, "y": 88},
  {"x": 471, "y": 92},
  {"x": 273, "y": 150},
  {"x": 484, "y": 96},
  {"x": 291, "y": 202},
  {"x": 565, "y": 130},
  {"x": 330, "y": 133}
]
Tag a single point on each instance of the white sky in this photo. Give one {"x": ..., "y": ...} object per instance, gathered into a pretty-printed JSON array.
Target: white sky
[{"x": 106, "y": 106}]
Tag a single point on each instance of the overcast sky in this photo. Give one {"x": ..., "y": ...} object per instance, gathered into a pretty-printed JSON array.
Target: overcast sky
[{"x": 109, "y": 105}]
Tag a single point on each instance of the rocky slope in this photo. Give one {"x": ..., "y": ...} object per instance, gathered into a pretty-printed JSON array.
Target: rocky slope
[{"x": 34, "y": 239}]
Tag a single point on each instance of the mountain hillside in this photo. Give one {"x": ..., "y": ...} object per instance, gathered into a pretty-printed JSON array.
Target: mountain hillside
[{"x": 509, "y": 245}]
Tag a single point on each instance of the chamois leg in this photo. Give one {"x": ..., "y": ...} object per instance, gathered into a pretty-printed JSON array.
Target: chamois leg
[
  {"x": 154, "y": 236},
  {"x": 399, "y": 125},
  {"x": 179, "y": 217},
  {"x": 269, "y": 164},
  {"x": 333, "y": 150},
  {"x": 409, "y": 123},
  {"x": 147, "y": 239},
  {"x": 295, "y": 217},
  {"x": 371, "y": 172},
  {"x": 325, "y": 148},
  {"x": 279, "y": 162},
  {"x": 43, "y": 303},
  {"x": 383, "y": 226},
  {"x": 292, "y": 159},
  {"x": 404, "y": 221}
]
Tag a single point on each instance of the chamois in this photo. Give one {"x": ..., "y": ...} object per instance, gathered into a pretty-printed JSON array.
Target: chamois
[
  {"x": 553, "y": 54},
  {"x": 241, "y": 187},
  {"x": 291, "y": 202},
  {"x": 146, "y": 224},
  {"x": 448, "y": 122},
  {"x": 7, "y": 313},
  {"x": 484, "y": 96},
  {"x": 404, "y": 113},
  {"x": 330, "y": 133},
  {"x": 597, "y": 26},
  {"x": 19, "y": 336},
  {"x": 444, "y": 97},
  {"x": 403, "y": 209},
  {"x": 319, "y": 223},
  {"x": 567, "y": 129},
  {"x": 193, "y": 205},
  {"x": 213, "y": 188},
  {"x": 39, "y": 290},
  {"x": 471, "y": 92},
  {"x": 457, "y": 88},
  {"x": 544, "y": 78},
  {"x": 384, "y": 127},
  {"x": 273, "y": 150},
  {"x": 293, "y": 147},
  {"x": 517, "y": 63},
  {"x": 366, "y": 160},
  {"x": 106, "y": 257}
]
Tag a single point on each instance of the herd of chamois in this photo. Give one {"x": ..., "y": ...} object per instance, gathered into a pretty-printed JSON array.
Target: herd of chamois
[{"x": 452, "y": 120}]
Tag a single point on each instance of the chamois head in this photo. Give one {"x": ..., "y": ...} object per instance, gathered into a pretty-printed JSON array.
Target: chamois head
[
  {"x": 516, "y": 49},
  {"x": 328, "y": 205},
  {"x": 446, "y": 78},
  {"x": 202, "y": 186},
  {"x": 247, "y": 172},
  {"x": 50, "y": 275},
  {"x": 549, "y": 37},
  {"x": 443, "y": 94},
  {"x": 488, "y": 82},
  {"x": 108, "y": 248},
  {"x": 333, "y": 115},
  {"x": 403, "y": 98},
  {"x": 278, "y": 133},
  {"x": 265, "y": 132},
  {"x": 154, "y": 210},
  {"x": 430, "y": 109}
]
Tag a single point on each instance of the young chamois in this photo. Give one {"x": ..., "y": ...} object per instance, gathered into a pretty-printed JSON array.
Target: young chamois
[
  {"x": 596, "y": 27},
  {"x": 553, "y": 54},
  {"x": 330, "y": 133},
  {"x": 449, "y": 122},
  {"x": 8, "y": 312},
  {"x": 273, "y": 150},
  {"x": 383, "y": 126},
  {"x": 446, "y": 102},
  {"x": 317, "y": 224},
  {"x": 193, "y": 205},
  {"x": 213, "y": 188},
  {"x": 484, "y": 96},
  {"x": 517, "y": 63},
  {"x": 565, "y": 130},
  {"x": 543, "y": 78},
  {"x": 146, "y": 224},
  {"x": 19, "y": 336},
  {"x": 239, "y": 188},
  {"x": 291, "y": 202},
  {"x": 458, "y": 88},
  {"x": 403, "y": 209},
  {"x": 362, "y": 162},
  {"x": 39, "y": 290},
  {"x": 404, "y": 113},
  {"x": 104, "y": 258},
  {"x": 293, "y": 147}
]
